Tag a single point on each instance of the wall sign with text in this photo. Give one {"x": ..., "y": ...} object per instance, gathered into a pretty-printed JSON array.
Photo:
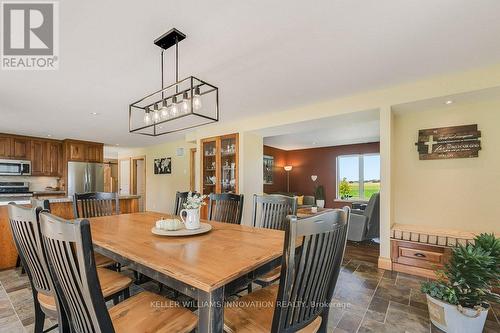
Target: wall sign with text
[{"x": 449, "y": 142}]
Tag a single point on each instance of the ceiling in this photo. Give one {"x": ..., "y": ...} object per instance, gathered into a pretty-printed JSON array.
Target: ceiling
[
  {"x": 359, "y": 127},
  {"x": 263, "y": 57}
]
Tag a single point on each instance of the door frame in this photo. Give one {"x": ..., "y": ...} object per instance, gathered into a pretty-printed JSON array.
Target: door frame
[
  {"x": 133, "y": 176},
  {"x": 192, "y": 171}
]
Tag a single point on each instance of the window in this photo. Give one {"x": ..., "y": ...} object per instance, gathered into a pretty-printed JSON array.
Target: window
[{"x": 358, "y": 176}]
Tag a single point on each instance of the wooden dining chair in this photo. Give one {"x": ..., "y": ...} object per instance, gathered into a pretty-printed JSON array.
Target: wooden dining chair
[
  {"x": 270, "y": 212},
  {"x": 95, "y": 204},
  {"x": 312, "y": 255},
  {"x": 25, "y": 226},
  {"x": 180, "y": 200},
  {"x": 70, "y": 254},
  {"x": 225, "y": 207}
]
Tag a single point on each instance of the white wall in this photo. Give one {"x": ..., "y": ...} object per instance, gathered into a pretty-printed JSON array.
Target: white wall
[
  {"x": 160, "y": 189},
  {"x": 459, "y": 194}
]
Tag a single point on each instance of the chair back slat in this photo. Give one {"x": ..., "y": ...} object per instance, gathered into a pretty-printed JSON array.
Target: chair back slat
[
  {"x": 87, "y": 205},
  {"x": 26, "y": 233},
  {"x": 180, "y": 200},
  {"x": 309, "y": 272},
  {"x": 225, "y": 207},
  {"x": 70, "y": 256},
  {"x": 270, "y": 211}
]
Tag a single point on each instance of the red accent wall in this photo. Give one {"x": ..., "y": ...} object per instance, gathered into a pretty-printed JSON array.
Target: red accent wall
[
  {"x": 314, "y": 161},
  {"x": 279, "y": 175}
]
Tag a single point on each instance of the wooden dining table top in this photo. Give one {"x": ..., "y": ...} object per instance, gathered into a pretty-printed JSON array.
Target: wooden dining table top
[{"x": 206, "y": 261}]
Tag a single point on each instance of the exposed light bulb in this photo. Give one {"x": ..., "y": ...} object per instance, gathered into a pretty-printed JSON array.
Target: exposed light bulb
[
  {"x": 164, "y": 110},
  {"x": 197, "y": 99},
  {"x": 174, "y": 110},
  {"x": 147, "y": 117},
  {"x": 185, "y": 103},
  {"x": 156, "y": 114}
]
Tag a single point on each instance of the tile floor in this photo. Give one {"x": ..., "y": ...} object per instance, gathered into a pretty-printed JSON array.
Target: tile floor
[{"x": 367, "y": 299}]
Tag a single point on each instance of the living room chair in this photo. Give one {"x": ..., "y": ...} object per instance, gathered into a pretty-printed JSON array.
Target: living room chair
[
  {"x": 70, "y": 253},
  {"x": 365, "y": 224},
  {"x": 301, "y": 301}
]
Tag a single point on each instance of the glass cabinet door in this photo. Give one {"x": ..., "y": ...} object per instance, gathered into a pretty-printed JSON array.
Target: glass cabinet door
[
  {"x": 228, "y": 158},
  {"x": 209, "y": 167}
]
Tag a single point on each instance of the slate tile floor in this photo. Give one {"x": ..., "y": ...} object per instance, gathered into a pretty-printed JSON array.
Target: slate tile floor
[{"x": 367, "y": 299}]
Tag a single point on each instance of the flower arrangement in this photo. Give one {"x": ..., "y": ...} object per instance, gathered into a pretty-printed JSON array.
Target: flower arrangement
[{"x": 195, "y": 201}]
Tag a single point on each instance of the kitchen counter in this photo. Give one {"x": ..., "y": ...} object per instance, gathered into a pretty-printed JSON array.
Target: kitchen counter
[
  {"x": 59, "y": 206},
  {"x": 5, "y": 200}
]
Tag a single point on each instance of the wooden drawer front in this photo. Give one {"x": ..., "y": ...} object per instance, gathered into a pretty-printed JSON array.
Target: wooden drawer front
[{"x": 421, "y": 255}]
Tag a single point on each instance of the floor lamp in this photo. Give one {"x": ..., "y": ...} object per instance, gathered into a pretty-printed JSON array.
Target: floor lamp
[{"x": 288, "y": 168}]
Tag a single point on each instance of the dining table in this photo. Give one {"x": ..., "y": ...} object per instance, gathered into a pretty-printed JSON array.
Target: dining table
[{"x": 207, "y": 267}]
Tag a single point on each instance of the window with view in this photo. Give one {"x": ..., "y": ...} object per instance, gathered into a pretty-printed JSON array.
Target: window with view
[{"x": 358, "y": 176}]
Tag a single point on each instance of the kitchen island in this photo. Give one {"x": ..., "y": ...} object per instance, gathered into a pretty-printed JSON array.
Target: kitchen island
[{"x": 60, "y": 206}]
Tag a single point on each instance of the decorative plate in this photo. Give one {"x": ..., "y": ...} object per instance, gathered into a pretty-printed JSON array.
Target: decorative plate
[{"x": 204, "y": 227}]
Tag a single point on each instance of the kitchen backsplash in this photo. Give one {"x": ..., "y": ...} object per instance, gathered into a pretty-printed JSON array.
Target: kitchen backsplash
[{"x": 36, "y": 183}]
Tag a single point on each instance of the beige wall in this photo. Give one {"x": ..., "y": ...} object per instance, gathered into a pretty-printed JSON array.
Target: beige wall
[
  {"x": 160, "y": 189},
  {"x": 460, "y": 194}
]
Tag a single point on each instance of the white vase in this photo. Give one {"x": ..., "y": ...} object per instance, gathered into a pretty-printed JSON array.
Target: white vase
[
  {"x": 451, "y": 319},
  {"x": 192, "y": 219},
  {"x": 320, "y": 203}
]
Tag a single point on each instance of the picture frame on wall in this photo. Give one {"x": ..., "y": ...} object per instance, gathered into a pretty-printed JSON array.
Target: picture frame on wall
[
  {"x": 163, "y": 166},
  {"x": 268, "y": 169}
]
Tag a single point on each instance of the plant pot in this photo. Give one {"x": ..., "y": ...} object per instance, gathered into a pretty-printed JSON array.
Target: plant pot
[
  {"x": 320, "y": 203},
  {"x": 451, "y": 319}
]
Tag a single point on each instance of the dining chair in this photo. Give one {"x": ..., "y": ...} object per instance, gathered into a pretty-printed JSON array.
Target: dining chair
[
  {"x": 43, "y": 203},
  {"x": 270, "y": 212},
  {"x": 312, "y": 256},
  {"x": 225, "y": 207},
  {"x": 25, "y": 226},
  {"x": 95, "y": 204},
  {"x": 70, "y": 254},
  {"x": 180, "y": 200}
]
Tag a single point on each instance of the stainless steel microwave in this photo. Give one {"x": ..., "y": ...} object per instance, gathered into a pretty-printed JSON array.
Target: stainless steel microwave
[{"x": 15, "y": 168}]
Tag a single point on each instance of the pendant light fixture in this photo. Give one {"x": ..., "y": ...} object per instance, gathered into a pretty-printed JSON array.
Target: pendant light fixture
[{"x": 185, "y": 104}]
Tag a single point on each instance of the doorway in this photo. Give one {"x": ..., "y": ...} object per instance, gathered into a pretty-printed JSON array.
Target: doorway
[
  {"x": 139, "y": 179},
  {"x": 124, "y": 176}
]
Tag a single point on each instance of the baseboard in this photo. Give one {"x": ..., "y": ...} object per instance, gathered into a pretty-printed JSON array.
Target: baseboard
[
  {"x": 385, "y": 263},
  {"x": 412, "y": 270}
]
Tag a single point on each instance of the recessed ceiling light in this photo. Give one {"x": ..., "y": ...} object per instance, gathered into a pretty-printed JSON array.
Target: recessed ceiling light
[
  {"x": 448, "y": 102},
  {"x": 117, "y": 144},
  {"x": 94, "y": 113},
  {"x": 49, "y": 135}
]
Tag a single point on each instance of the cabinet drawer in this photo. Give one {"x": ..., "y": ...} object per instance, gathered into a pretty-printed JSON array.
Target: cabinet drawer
[{"x": 421, "y": 254}]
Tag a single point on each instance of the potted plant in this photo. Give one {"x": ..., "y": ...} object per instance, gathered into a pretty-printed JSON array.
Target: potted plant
[
  {"x": 320, "y": 196},
  {"x": 344, "y": 189},
  {"x": 458, "y": 300}
]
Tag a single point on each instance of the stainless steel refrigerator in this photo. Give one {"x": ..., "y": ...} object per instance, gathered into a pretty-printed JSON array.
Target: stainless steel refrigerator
[{"x": 85, "y": 177}]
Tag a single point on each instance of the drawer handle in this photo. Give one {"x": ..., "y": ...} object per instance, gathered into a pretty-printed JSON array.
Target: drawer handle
[{"x": 420, "y": 255}]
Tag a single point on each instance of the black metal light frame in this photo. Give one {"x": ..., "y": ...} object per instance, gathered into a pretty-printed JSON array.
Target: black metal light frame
[{"x": 167, "y": 40}]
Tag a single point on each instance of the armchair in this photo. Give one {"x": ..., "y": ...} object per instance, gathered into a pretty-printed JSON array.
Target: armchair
[{"x": 365, "y": 224}]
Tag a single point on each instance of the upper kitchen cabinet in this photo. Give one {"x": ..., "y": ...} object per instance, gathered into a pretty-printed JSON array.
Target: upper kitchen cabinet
[
  {"x": 20, "y": 148},
  {"x": 46, "y": 158},
  {"x": 15, "y": 147},
  {"x": 5, "y": 142},
  {"x": 82, "y": 151}
]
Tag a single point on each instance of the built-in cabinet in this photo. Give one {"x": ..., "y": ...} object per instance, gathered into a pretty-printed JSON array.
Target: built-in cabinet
[
  {"x": 49, "y": 157},
  {"x": 15, "y": 147},
  {"x": 219, "y": 164}
]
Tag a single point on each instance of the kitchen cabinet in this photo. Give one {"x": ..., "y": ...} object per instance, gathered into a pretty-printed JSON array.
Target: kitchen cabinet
[
  {"x": 38, "y": 152},
  {"x": 81, "y": 151},
  {"x": 5, "y": 143},
  {"x": 20, "y": 148},
  {"x": 46, "y": 158}
]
